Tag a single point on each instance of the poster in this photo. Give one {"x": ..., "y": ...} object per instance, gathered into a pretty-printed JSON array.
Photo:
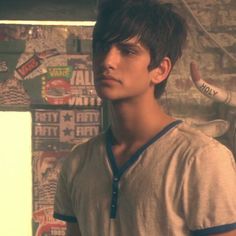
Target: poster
[
  {"x": 46, "y": 66},
  {"x": 46, "y": 167},
  {"x": 48, "y": 71},
  {"x": 54, "y": 133}
]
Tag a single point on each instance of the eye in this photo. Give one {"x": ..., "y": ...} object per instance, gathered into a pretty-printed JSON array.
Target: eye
[{"x": 128, "y": 51}]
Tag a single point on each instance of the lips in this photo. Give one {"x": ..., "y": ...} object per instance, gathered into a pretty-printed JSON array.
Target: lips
[{"x": 107, "y": 78}]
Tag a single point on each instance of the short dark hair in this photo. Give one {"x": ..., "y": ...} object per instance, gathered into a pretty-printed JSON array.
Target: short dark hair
[{"x": 157, "y": 25}]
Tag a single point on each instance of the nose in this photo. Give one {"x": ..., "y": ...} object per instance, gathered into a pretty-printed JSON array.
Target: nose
[{"x": 111, "y": 58}]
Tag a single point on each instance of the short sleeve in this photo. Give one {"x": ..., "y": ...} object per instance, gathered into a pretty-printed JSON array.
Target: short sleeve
[
  {"x": 209, "y": 191},
  {"x": 62, "y": 204}
]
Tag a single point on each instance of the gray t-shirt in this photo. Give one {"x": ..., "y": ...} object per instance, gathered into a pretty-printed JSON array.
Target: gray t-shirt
[{"x": 180, "y": 183}]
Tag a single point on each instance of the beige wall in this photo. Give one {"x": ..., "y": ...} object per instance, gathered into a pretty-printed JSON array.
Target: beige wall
[{"x": 219, "y": 19}]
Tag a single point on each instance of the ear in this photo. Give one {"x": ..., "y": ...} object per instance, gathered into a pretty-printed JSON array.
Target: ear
[{"x": 161, "y": 72}]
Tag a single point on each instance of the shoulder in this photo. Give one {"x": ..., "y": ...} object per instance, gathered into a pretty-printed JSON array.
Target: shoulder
[
  {"x": 195, "y": 144},
  {"x": 192, "y": 136},
  {"x": 80, "y": 154},
  {"x": 208, "y": 151},
  {"x": 79, "y": 150}
]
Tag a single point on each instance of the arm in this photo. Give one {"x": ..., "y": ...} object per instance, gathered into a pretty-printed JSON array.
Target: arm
[
  {"x": 210, "y": 184},
  {"x": 72, "y": 229}
]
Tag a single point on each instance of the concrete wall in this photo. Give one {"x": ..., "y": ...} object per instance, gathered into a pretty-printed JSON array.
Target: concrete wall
[{"x": 219, "y": 19}]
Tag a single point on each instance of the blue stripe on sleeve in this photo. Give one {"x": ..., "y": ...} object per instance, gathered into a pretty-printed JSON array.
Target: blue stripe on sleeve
[
  {"x": 214, "y": 230},
  {"x": 70, "y": 219}
]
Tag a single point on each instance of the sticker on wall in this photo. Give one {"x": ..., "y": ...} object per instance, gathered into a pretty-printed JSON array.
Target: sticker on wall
[
  {"x": 12, "y": 92},
  {"x": 82, "y": 82},
  {"x": 70, "y": 85},
  {"x": 56, "y": 89},
  {"x": 48, "y": 73},
  {"x": 57, "y": 130},
  {"x": 54, "y": 133},
  {"x": 46, "y": 225},
  {"x": 29, "y": 66},
  {"x": 46, "y": 168}
]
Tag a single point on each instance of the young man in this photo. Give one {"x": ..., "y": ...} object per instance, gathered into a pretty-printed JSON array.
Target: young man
[{"x": 148, "y": 174}]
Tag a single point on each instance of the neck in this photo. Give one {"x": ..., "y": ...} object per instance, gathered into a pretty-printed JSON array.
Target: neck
[{"x": 135, "y": 121}]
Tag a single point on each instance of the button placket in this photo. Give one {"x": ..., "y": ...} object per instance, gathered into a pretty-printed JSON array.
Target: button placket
[{"x": 114, "y": 199}]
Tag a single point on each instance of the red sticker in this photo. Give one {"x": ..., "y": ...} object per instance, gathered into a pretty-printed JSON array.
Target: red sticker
[
  {"x": 57, "y": 91},
  {"x": 29, "y": 66}
]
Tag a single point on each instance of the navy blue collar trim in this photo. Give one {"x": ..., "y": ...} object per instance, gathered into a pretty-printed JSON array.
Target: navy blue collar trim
[
  {"x": 110, "y": 141},
  {"x": 71, "y": 219},
  {"x": 214, "y": 230}
]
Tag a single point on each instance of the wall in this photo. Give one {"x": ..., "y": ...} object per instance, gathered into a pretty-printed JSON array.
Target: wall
[
  {"x": 219, "y": 19},
  {"x": 182, "y": 99}
]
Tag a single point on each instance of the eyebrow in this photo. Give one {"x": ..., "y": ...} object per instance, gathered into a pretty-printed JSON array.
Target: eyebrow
[{"x": 131, "y": 45}]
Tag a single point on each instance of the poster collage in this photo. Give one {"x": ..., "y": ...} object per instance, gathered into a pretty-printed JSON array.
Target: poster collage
[{"x": 47, "y": 70}]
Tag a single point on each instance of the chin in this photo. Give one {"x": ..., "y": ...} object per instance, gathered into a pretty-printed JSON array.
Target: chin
[
  {"x": 107, "y": 94},
  {"x": 111, "y": 98}
]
